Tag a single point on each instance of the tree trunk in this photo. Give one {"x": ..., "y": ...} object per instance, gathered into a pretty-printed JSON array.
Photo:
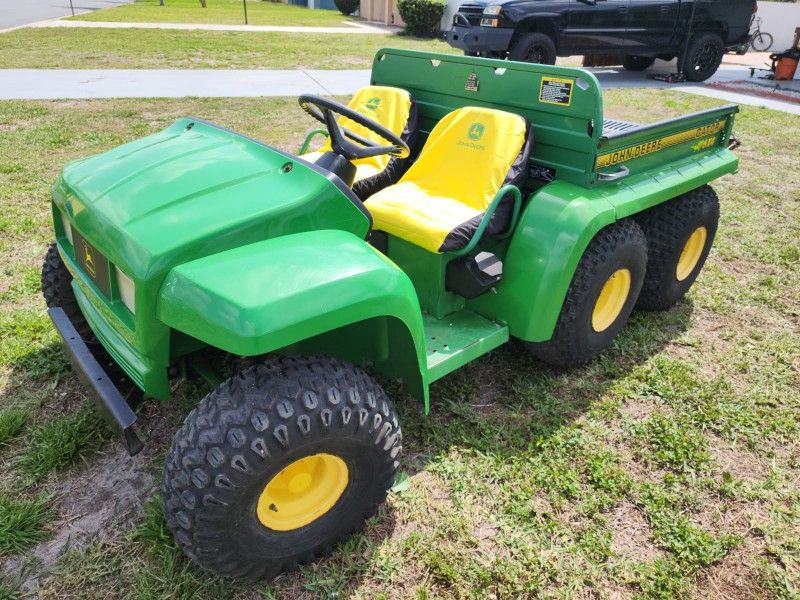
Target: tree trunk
[{"x": 202, "y": 3}]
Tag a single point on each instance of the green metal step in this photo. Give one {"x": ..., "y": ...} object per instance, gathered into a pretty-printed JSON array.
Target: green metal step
[{"x": 457, "y": 339}]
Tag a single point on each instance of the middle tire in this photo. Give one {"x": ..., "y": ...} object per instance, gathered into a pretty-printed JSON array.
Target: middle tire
[
  {"x": 537, "y": 48},
  {"x": 279, "y": 463},
  {"x": 600, "y": 298}
]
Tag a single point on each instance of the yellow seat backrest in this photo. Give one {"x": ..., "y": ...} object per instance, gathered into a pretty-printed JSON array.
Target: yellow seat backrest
[
  {"x": 468, "y": 155},
  {"x": 389, "y": 106}
]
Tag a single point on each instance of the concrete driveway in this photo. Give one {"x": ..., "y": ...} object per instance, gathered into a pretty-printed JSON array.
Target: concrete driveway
[{"x": 15, "y": 13}]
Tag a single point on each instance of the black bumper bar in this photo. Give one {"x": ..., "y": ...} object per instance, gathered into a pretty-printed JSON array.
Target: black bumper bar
[
  {"x": 105, "y": 394},
  {"x": 479, "y": 39}
]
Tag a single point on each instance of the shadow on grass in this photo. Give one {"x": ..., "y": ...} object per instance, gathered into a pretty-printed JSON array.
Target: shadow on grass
[{"x": 506, "y": 402}]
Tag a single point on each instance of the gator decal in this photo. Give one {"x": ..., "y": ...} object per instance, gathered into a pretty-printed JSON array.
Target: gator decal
[{"x": 620, "y": 156}]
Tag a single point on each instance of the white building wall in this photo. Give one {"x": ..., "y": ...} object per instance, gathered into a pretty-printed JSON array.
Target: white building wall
[{"x": 780, "y": 19}]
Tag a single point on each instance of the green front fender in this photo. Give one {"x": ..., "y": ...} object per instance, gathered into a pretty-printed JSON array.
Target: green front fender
[{"x": 322, "y": 290}]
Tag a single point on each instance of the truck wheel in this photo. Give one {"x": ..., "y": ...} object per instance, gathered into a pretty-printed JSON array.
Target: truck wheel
[
  {"x": 679, "y": 237},
  {"x": 703, "y": 57},
  {"x": 57, "y": 291},
  {"x": 637, "y": 63},
  {"x": 535, "y": 48},
  {"x": 278, "y": 464},
  {"x": 600, "y": 298}
]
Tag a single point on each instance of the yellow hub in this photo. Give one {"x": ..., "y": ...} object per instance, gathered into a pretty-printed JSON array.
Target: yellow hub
[
  {"x": 611, "y": 300},
  {"x": 691, "y": 253},
  {"x": 302, "y": 492}
]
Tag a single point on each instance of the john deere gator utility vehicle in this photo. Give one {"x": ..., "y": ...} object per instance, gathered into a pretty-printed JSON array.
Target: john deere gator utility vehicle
[{"x": 455, "y": 203}]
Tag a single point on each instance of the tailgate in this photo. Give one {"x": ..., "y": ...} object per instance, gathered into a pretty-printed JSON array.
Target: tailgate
[{"x": 630, "y": 151}]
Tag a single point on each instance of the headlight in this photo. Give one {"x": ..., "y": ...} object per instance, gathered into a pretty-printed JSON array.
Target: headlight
[
  {"x": 126, "y": 290},
  {"x": 67, "y": 228},
  {"x": 489, "y": 22},
  {"x": 493, "y": 10}
]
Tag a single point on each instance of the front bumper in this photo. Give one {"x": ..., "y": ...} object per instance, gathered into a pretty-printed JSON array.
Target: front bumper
[
  {"x": 479, "y": 39},
  {"x": 105, "y": 394}
]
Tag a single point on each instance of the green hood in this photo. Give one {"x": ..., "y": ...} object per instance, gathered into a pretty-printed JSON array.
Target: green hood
[{"x": 195, "y": 189}]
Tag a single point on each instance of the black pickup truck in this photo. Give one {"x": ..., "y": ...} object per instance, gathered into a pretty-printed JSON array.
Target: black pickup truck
[{"x": 638, "y": 31}]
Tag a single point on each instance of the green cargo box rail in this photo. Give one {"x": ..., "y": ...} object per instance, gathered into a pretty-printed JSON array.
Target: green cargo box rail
[{"x": 573, "y": 141}]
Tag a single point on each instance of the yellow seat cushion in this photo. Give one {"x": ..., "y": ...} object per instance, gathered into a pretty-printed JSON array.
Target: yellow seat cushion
[
  {"x": 464, "y": 163},
  {"x": 390, "y": 107}
]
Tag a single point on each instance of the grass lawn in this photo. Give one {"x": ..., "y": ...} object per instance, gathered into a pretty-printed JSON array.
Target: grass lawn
[
  {"x": 259, "y": 12},
  {"x": 157, "y": 49},
  {"x": 667, "y": 468}
]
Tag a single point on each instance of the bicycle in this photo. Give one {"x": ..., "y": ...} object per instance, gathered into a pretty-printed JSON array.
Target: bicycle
[{"x": 760, "y": 41}]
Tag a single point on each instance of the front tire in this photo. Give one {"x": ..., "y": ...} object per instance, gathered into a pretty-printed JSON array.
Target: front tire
[
  {"x": 703, "y": 57},
  {"x": 538, "y": 48},
  {"x": 278, "y": 464},
  {"x": 637, "y": 63},
  {"x": 679, "y": 234},
  {"x": 600, "y": 298},
  {"x": 56, "y": 283}
]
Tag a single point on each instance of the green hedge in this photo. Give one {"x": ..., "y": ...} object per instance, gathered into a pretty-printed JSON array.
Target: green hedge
[
  {"x": 347, "y": 7},
  {"x": 422, "y": 17}
]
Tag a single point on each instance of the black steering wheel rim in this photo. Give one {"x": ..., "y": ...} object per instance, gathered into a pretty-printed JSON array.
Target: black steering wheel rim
[{"x": 323, "y": 109}]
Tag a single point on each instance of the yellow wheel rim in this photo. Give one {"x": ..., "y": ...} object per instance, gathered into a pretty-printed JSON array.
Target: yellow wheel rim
[
  {"x": 302, "y": 492},
  {"x": 611, "y": 300},
  {"x": 691, "y": 253}
]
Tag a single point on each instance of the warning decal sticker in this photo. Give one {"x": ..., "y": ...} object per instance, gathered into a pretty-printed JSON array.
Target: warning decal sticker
[{"x": 556, "y": 90}]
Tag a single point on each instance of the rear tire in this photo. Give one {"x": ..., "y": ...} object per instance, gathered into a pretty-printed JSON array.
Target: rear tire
[
  {"x": 537, "y": 48},
  {"x": 637, "y": 63},
  {"x": 593, "y": 314},
  {"x": 238, "y": 494},
  {"x": 703, "y": 57},
  {"x": 669, "y": 229},
  {"x": 57, "y": 291}
]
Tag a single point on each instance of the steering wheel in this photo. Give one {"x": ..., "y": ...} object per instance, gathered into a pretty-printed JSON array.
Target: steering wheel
[{"x": 323, "y": 110}]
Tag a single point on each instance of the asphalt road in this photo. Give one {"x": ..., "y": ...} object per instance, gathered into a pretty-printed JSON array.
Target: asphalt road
[{"x": 14, "y": 13}]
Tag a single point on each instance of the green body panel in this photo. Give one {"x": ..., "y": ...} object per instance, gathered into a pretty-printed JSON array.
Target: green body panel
[
  {"x": 189, "y": 191},
  {"x": 237, "y": 245},
  {"x": 287, "y": 290},
  {"x": 439, "y": 84}
]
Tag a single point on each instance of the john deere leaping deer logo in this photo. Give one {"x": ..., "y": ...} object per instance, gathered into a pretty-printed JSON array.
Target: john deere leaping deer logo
[
  {"x": 476, "y": 131},
  {"x": 373, "y": 103},
  {"x": 88, "y": 260}
]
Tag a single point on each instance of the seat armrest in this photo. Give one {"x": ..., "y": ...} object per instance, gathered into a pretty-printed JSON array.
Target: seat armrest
[
  {"x": 487, "y": 217},
  {"x": 309, "y": 137}
]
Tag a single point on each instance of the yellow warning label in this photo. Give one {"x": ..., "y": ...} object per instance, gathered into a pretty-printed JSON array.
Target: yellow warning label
[
  {"x": 556, "y": 90},
  {"x": 620, "y": 156}
]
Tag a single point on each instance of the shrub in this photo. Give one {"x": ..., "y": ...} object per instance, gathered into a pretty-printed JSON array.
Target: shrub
[
  {"x": 422, "y": 17},
  {"x": 347, "y": 7}
]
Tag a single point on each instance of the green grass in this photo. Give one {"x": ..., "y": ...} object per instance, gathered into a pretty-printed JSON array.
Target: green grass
[
  {"x": 22, "y": 522},
  {"x": 61, "y": 442},
  {"x": 666, "y": 468},
  {"x": 12, "y": 422},
  {"x": 152, "y": 49},
  {"x": 259, "y": 12}
]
